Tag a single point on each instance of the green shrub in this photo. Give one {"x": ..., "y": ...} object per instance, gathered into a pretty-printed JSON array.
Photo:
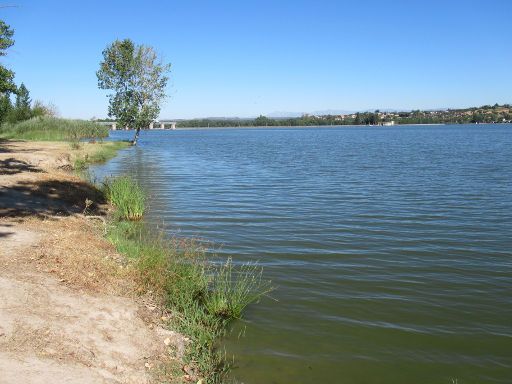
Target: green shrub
[{"x": 127, "y": 196}]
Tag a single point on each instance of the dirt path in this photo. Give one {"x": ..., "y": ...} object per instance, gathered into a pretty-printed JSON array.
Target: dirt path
[{"x": 66, "y": 315}]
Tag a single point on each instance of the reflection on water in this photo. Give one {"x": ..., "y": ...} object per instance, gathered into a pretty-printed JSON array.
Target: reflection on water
[{"x": 390, "y": 247}]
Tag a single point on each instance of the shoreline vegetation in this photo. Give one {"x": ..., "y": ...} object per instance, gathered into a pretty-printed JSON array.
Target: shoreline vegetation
[
  {"x": 200, "y": 298},
  {"x": 192, "y": 296}
]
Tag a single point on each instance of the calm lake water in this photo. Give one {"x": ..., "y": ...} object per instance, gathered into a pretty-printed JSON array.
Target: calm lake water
[{"x": 391, "y": 247}]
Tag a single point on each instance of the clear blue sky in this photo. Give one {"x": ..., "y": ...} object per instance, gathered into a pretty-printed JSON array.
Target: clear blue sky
[{"x": 243, "y": 58}]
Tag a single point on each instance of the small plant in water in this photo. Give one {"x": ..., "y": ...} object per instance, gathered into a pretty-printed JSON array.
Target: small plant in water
[{"x": 233, "y": 289}]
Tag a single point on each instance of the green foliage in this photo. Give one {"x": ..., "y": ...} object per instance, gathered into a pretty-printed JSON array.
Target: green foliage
[
  {"x": 106, "y": 151},
  {"x": 22, "y": 110},
  {"x": 6, "y": 76},
  {"x": 207, "y": 299},
  {"x": 137, "y": 78},
  {"x": 80, "y": 163},
  {"x": 53, "y": 129},
  {"x": 127, "y": 196},
  {"x": 39, "y": 109},
  {"x": 23, "y": 98},
  {"x": 80, "y": 130},
  {"x": 6, "y": 37},
  {"x": 7, "y": 81},
  {"x": 371, "y": 118},
  {"x": 262, "y": 121},
  {"x": 234, "y": 289},
  {"x": 5, "y": 107},
  {"x": 203, "y": 298}
]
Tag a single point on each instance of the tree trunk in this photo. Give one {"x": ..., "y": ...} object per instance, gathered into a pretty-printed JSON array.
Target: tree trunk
[{"x": 136, "y": 137}]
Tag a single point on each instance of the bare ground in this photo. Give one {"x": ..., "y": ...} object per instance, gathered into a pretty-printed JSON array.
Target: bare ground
[{"x": 68, "y": 312}]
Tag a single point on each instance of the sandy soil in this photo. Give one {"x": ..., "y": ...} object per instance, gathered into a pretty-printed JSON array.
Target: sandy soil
[{"x": 67, "y": 309}]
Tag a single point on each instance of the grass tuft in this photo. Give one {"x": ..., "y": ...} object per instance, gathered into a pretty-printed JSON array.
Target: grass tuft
[
  {"x": 127, "y": 196},
  {"x": 233, "y": 289}
]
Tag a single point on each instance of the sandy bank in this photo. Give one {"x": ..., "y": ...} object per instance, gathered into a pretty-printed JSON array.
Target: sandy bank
[{"x": 68, "y": 312}]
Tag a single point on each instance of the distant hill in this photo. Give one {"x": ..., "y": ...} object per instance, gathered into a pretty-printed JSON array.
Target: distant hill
[
  {"x": 325, "y": 112},
  {"x": 332, "y": 112}
]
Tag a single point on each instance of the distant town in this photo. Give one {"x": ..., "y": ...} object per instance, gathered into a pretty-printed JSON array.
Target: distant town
[{"x": 490, "y": 114}]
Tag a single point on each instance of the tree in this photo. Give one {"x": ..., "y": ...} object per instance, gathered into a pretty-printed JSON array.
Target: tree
[
  {"x": 5, "y": 107},
  {"x": 39, "y": 109},
  {"x": 23, "y": 98},
  {"x": 262, "y": 121},
  {"x": 138, "y": 79},
  {"x": 6, "y": 76},
  {"x": 22, "y": 104}
]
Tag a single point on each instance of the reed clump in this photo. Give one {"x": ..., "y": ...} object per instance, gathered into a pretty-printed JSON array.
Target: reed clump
[
  {"x": 127, "y": 196},
  {"x": 44, "y": 128},
  {"x": 233, "y": 289}
]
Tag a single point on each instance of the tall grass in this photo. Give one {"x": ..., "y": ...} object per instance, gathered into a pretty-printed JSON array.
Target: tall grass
[
  {"x": 203, "y": 297},
  {"x": 127, "y": 196},
  {"x": 53, "y": 129}
]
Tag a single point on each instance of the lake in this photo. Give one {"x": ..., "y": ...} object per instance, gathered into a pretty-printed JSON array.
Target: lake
[{"x": 390, "y": 247}]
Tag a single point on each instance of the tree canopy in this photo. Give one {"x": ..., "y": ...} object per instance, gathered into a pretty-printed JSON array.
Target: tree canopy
[
  {"x": 6, "y": 76},
  {"x": 137, "y": 77}
]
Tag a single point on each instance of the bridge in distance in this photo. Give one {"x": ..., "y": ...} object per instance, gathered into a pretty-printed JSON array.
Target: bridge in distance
[{"x": 164, "y": 124}]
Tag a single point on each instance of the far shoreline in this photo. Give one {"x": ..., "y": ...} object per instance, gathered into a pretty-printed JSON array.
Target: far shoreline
[{"x": 311, "y": 126}]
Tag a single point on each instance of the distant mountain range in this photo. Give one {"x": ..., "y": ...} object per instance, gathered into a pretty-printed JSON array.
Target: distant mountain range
[
  {"x": 324, "y": 112},
  {"x": 334, "y": 112},
  {"x": 223, "y": 118},
  {"x": 276, "y": 115},
  {"x": 286, "y": 114}
]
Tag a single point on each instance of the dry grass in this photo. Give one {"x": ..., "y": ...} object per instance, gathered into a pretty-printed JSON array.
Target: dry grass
[
  {"x": 47, "y": 343},
  {"x": 74, "y": 250}
]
